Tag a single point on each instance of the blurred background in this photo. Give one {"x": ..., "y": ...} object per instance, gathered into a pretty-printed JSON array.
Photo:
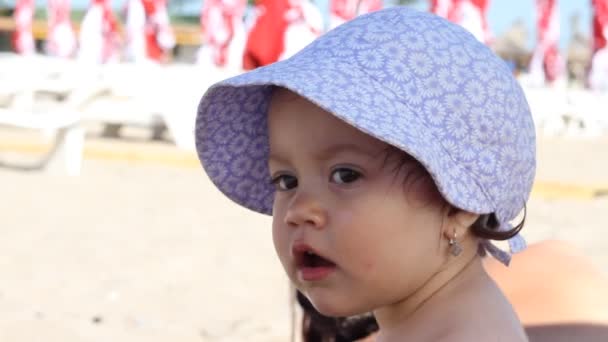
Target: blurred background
[{"x": 110, "y": 229}]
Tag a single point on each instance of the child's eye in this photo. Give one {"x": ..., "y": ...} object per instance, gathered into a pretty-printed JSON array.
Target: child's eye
[
  {"x": 344, "y": 176},
  {"x": 284, "y": 182}
]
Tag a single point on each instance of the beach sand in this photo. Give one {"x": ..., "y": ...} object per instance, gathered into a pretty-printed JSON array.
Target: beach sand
[{"x": 144, "y": 251}]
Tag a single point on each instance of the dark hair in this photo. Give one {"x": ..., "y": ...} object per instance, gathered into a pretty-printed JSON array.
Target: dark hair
[
  {"x": 485, "y": 227},
  {"x": 320, "y": 328}
]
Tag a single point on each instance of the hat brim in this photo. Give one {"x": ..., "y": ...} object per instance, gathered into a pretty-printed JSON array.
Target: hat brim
[{"x": 232, "y": 131}]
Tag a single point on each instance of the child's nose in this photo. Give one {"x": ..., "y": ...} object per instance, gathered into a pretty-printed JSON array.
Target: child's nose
[{"x": 305, "y": 210}]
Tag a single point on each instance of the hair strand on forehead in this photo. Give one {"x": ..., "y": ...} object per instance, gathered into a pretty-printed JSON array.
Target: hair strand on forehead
[
  {"x": 416, "y": 181},
  {"x": 485, "y": 227}
]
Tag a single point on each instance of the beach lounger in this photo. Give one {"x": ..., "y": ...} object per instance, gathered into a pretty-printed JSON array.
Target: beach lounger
[
  {"x": 63, "y": 121},
  {"x": 587, "y": 113},
  {"x": 568, "y": 112},
  {"x": 549, "y": 109},
  {"x": 67, "y": 143},
  {"x": 154, "y": 96}
]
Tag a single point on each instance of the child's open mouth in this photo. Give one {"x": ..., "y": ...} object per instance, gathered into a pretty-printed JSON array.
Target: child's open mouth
[{"x": 310, "y": 265}]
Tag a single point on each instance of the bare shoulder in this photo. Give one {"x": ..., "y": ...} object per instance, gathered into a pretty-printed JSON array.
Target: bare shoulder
[
  {"x": 493, "y": 325},
  {"x": 491, "y": 319},
  {"x": 485, "y": 315},
  {"x": 484, "y": 335}
]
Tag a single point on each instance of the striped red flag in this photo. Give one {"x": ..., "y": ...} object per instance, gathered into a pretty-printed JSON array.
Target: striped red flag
[
  {"x": 546, "y": 59},
  {"x": 598, "y": 74},
  {"x": 61, "y": 39},
  {"x": 344, "y": 10},
  {"x": 265, "y": 41},
  {"x": 444, "y": 8},
  {"x": 220, "y": 19},
  {"x": 600, "y": 23},
  {"x": 470, "y": 14},
  {"x": 158, "y": 31},
  {"x": 99, "y": 35},
  {"x": 23, "y": 39}
]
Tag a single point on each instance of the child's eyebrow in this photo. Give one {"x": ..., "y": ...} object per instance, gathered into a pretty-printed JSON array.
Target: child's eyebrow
[
  {"x": 276, "y": 158},
  {"x": 347, "y": 147},
  {"x": 331, "y": 151}
]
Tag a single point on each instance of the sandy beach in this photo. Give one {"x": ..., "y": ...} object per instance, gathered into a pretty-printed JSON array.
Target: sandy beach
[{"x": 141, "y": 250}]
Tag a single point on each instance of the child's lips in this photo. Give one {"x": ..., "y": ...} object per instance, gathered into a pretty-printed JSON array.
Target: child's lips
[
  {"x": 315, "y": 273},
  {"x": 311, "y": 265}
]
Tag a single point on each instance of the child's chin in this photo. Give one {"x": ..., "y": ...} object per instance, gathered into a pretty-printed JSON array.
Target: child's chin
[{"x": 335, "y": 308}]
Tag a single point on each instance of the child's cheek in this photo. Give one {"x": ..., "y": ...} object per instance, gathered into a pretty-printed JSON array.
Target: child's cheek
[
  {"x": 369, "y": 265},
  {"x": 351, "y": 235},
  {"x": 279, "y": 239},
  {"x": 344, "y": 219}
]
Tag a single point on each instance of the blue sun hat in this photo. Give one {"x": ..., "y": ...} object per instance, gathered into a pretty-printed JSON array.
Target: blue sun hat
[{"x": 408, "y": 78}]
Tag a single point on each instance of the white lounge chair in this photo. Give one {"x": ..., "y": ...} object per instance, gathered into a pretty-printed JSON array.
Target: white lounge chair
[
  {"x": 587, "y": 113},
  {"x": 68, "y": 139},
  {"x": 64, "y": 123}
]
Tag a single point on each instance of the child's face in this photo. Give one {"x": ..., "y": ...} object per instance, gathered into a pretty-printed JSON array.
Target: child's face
[{"x": 339, "y": 196}]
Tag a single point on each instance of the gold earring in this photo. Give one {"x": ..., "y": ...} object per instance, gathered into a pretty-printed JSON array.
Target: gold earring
[{"x": 455, "y": 247}]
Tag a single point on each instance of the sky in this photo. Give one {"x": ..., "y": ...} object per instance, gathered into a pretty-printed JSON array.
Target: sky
[{"x": 501, "y": 14}]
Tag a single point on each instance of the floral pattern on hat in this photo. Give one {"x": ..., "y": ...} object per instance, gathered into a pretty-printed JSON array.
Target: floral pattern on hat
[{"x": 417, "y": 82}]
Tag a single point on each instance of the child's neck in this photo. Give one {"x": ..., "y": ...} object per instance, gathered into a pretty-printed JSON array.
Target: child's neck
[{"x": 413, "y": 310}]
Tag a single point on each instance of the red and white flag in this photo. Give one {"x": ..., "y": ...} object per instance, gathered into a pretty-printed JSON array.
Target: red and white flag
[
  {"x": 135, "y": 24},
  {"x": 304, "y": 24},
  {"x": 470, "y": 14},
  {"x": 281, "y": 28},
  {"x": 23, "y": 39},
  {"x": 149, "y": 33},
  {"x": 265, "y": 40},
  {"x": 600, "y": 23},
  {"x": 223, "y": 32},
  {"x": 61, "y": 39},
  {"x": 345, "y": 10},
  {"x": 159, "y": 34},
  {"x": 546, "y": 64},
  {"x": 99, "y": 36},
  {"x": 473, "y": 17},
  {"x": 598, "y": 75},
  {"x": 444, "y": 8}
]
